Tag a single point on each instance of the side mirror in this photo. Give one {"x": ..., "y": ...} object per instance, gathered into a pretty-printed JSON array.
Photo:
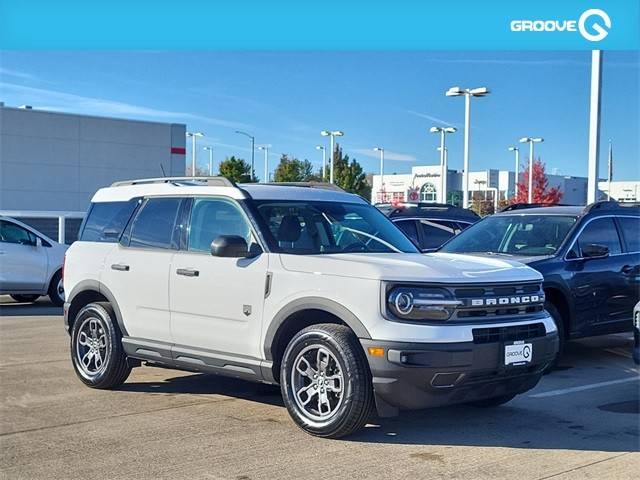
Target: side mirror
[
  {"x": 595, "y": 250},
  {"x": 231, "y": 246}
]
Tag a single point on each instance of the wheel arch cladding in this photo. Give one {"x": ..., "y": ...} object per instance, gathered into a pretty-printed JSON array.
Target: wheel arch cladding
[
  {"x": 89, "y": 291},
  {"x": 300, "y": 314}
]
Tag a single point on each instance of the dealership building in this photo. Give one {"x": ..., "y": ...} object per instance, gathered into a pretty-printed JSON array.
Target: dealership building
[
  {"x": 424, "y": 184},
  {"x": 52, "y": 163}
]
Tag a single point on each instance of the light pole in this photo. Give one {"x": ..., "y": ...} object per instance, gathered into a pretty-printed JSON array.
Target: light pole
[
  {"x": 210, "y": 150},
  {"x": 324, "y": 161},
  {"x": 531, "y": 141},
  {"x": 193, "y": 136},
  {"x": 381, "y": 150},
  {"x": 331, "y": 134},
  {"x": 253, "y": 151},
  {"x": 443, "y": 164},
  {"x": 468, "y": 93},
  {"x": 515, "y": 186},
  {"x": 266, "y": 162}
]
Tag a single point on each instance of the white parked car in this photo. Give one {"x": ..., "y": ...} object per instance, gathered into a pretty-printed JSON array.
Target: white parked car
[
  {"x": 307, "y": 287},
  {"x": 30, "y": 263}
]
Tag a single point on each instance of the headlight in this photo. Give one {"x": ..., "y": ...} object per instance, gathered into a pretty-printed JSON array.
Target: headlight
[{"x": 420, "y": 303}]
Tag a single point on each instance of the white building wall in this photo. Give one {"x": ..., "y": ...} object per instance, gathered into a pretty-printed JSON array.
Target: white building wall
[
  {"x": 622, "y": 191},
  {"x": 56, "y": 161}
]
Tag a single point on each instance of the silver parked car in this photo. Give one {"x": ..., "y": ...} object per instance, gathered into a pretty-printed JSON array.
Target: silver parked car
[{"x": 30, "y": 263}]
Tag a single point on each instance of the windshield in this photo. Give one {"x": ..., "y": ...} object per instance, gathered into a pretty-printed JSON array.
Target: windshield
[
  {"x": 308, "y": 227},
  {"x": 514, "y": 235}
]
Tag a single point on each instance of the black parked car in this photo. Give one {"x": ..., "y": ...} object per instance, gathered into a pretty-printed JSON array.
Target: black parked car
[
  {"x": 429, "y": 225},
  {"x": 589, "y": 257},
  {"x": 636, "y": 334}
]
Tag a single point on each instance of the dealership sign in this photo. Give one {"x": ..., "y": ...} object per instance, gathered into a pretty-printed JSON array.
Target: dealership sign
[{"x": 597, "y": 30}]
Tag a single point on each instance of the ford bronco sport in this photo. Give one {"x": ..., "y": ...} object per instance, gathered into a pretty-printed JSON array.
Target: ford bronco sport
[{"x": 304, "y": 286}]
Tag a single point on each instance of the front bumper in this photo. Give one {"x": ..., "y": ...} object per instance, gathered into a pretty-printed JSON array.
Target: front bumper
[{"x": 420, "y": 375}]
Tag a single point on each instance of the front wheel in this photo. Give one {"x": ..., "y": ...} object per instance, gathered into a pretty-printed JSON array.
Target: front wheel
[
  {"x": 56, "y": 290},
  {"x": 25, "y": 298},
  {"x": 557, "y": 319},
  {"x": 96, "y": 347},
  {"x": 326, "y": 382}
]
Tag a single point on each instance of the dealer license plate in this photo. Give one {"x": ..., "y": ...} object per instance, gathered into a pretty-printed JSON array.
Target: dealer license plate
[{"x": 518, "y": 353}]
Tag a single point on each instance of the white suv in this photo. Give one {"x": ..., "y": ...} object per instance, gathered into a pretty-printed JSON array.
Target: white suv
[{"x": 302, "y": 285}]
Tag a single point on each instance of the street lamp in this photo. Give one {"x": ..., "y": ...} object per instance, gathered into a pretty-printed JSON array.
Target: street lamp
[
  {"x": 331, "y": 134},
  {"x": 468, "y": 93},
  {"x": 266, "y": 162},
  {"x": 531, "y": 141},
  {"x": 210, "y": 150},
  {"x": 193, "y": 136},
  {"x": 443, "y": 159},
  {"x": 324, "y": 161},
  {"x": 381, "y": 150},
  {"x": 253, "y": 151},
  {"x": 517, "y": 152}
]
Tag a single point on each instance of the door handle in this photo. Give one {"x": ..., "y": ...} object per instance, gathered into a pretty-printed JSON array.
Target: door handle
[
  {"x": 627, "y": 269},
  {"x": 188, "y": 272},
  {"x": 120, "y": 267}
]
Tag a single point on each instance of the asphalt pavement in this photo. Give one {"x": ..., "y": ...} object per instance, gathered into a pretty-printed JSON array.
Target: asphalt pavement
[{"x": 581, "y": 421}]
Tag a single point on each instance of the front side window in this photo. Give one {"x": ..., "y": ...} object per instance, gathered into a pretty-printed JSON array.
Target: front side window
[
  {"x": 601, "y": 231},
  {"x": 155, "y": 224},
  {"x": 310, "y": 227},
  {"x": 212, "y": 217},
  {"x": 533, "y": 235},
  {"x": 12, "y": 233},
  {"x": 631, "y": 231}
]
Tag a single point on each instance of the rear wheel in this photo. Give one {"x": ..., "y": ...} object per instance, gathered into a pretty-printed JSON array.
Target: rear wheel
[
  {"x": 325, "y": 381},
  {"x": 25, "y": 298},
  {"x": 493, "y": 402},
  {"x": 56, "y": 290},
  {"x": 96, "y": 347},
  {"x": 557, "y": 319}
]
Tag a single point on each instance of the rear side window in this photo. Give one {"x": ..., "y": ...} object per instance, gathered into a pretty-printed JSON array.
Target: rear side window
[
  {"x": 155, "y": 224},
  {"x": 631, "y": 231},
  {"x": 409, "y": 228},
  {"x": 435, "y": 233},
  {"x": 106, "y": 220}
]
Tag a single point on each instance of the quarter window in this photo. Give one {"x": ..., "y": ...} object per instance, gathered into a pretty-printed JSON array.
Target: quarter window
[
  {"x": 631, "y": 232},
  {"x": 601, "y": 231},
  {"x": 155, "y": 225},
  {"x": 212, "y": 217}
]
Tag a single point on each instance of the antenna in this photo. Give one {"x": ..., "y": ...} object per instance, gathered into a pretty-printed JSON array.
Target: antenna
[{"x": 163, "y": 172}]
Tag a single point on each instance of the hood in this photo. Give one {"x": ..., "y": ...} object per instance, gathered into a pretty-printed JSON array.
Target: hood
[
  {"x": 526, "y": 259},
  {"x": 413, "y": 267}
]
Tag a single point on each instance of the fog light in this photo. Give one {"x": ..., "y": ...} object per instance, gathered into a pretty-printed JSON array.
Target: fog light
[{"x": 376, "y": 351}]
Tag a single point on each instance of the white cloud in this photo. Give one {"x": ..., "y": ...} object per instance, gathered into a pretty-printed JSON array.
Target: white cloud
[
  {"x": 432, "y": 118},
  {"x": 388, "y": 155},
  {"x": 6, "y": 72},
  {"x": 68, "y": 102}
]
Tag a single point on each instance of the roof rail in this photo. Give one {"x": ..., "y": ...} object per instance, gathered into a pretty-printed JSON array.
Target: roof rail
[
  {"x": 607, "y": 205},
  {"x": 208, "y": 181},
  {"x": 319, "y": 185},
  {"x": 524, "y": 206}
]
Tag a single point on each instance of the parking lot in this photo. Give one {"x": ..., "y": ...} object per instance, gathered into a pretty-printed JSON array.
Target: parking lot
[{"x": 581, "y": 421}]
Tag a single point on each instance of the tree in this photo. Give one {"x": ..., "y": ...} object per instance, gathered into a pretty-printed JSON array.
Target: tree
[
  {"x": 237, "y": 170},
  {"x": 349, "y": 175},
  {"x": 541, "y": 191},
  {"x": 290, "y": 169}
]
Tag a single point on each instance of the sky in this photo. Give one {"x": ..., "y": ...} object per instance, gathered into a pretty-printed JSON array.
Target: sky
[{"x": 386, "y": 99}]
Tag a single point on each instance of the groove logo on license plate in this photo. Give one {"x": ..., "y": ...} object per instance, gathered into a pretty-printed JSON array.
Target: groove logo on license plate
[{"x": 518, "y": 353}]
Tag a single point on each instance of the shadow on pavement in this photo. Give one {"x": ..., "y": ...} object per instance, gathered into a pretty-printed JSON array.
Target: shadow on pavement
[{"x": 41, "y": 307}]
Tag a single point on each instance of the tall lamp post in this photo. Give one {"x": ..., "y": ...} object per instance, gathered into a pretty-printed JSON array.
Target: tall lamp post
[
  {"x": 443, "y": 159},
  {"x": 324, "y": 161},
  {"x": 515, "y": 186},
  {"x": 193, "y": 136},
  {"x": 265, "y": 148},
  {"x": 210, "y": 150},
  {"x": 381, "y": 150},
  {"x": 331, "y": 134},
  {"x": 253, "y": 151},
  {"x": 531, "y": 141},
  {"x": 468, "y": 93}
]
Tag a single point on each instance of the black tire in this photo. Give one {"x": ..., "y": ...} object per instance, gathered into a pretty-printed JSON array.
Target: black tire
[
  {"x": 557, "y": 318},
  {"x": 114, "y": 368},
  {"x": 493, "y": 402},
  {"x": 25, "y": 298},
  {"x": 55, "y": 292},
  {"x": 355, "y": 401}
]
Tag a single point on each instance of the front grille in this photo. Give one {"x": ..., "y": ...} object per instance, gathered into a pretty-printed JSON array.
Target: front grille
[
  {"x": 498, "y": 301},
  {"x": 508, "y": 334}
]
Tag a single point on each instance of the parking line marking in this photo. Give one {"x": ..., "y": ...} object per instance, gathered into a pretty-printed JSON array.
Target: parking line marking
[
  {"x": 563, "y": 391},
  {"x": 620, "y": 352}
]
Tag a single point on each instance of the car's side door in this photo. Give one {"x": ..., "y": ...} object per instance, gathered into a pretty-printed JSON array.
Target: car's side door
[
  {"x": 23, "y": 259},
  {"x": 629, "y": 228},
  {"x": 136, "y": 270},
  {"x": 217, "y": 302},
  {"x": 596, "y": 280}
]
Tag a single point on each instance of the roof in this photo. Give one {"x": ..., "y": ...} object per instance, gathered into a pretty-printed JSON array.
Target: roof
[
  {"x": 563, "y": 210},
  {"x": 261, "y": 191},
  {"x": 428, "y": 210},
  {"x": 576, "y": 210}
]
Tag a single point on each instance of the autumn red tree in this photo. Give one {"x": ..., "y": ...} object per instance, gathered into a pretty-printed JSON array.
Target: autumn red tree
[{"x": 541, "y": 191}]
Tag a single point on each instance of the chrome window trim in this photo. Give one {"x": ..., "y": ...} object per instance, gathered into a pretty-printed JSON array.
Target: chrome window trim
[{"x": 584, "y": 225}]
